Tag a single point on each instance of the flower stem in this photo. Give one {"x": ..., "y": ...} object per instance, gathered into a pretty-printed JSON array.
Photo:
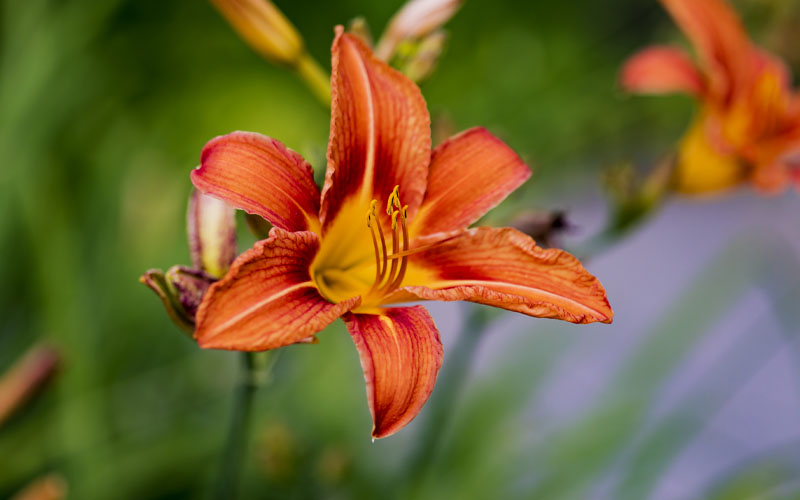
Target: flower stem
[
  {"x": 316, "y": 78},
  {"x": 236, "y": 444},
  {"x": 449, "y": 386}
]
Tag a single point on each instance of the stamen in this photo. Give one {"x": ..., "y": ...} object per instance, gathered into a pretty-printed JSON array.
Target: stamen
[
  {"x": 393, "y": 201},
  {"x": 380, "y": 260},
  {"x": 389, "y": 278},
  {"x": 395, "y": 249},
  {"x": 404, "y": 262}
]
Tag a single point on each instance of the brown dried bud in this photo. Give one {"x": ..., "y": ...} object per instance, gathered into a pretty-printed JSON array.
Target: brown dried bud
[{"x": 181, "y": 290}]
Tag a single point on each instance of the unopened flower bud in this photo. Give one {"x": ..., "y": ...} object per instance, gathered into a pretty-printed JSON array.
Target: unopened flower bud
[
  {"x": 49, "y": 487},
  {"x": 358, "y": 26},
  {"x": 211, "y": 225},
  {"x": 181, "y": 290},
  {"x": 418, "y": 59},
  {"x": 190, "y": 285},
  {"x": 414, "y": 21},
  {"x": 26, "y": 378},
  {"x": 265, "y": 28}
]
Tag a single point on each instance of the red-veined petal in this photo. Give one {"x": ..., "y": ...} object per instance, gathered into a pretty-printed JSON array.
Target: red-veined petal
[
  {"x": 504, "y": 268},
  {"x": 470, "y": 173},
  {"x": 380, "y": 132},
  {"x": 260, "y": 175},
  {"x": 401, "y": 354},
  {"x": 268, "y": 298},
  {"x": 661, "y": 70}
]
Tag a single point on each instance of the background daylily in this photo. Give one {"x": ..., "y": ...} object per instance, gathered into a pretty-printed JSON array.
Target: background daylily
[
  {"x": 389, "y": 226},
  {"x": 747, "y": 127}
]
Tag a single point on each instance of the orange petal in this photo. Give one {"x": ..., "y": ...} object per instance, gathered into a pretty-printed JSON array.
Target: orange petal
[
  {"x": 268, "y": 298},
  {"x": 719, "y": 39},
  {"x": 380, "y": 132},
  {"x": 469, "y": 174},
  {"x": 504, "y": 268},
  {"x": 259, "y": 174},
  {"x": 777, "y": 163},
  {"x": 401, "y": 355},
  {"x": 661, "y": 70}
]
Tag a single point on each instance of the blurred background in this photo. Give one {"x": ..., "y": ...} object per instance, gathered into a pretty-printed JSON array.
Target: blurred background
[{"x": 693, "y": 392}]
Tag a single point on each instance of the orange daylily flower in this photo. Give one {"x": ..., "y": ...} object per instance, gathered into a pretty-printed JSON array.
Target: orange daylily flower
[
  {"x": 748, "y": 126},
  {"x": 389, "y": 226}
]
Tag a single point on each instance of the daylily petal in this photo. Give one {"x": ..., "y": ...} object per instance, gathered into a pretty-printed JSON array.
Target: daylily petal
[
  {"x": 776, "y": 163},
  {"x": 401, "y": 354},
  {"x": 703, "y": 165},
  {"x": 268, "y": 298},
  {"x": 719, "y": 39},
  {"x": 504, "y": 268},
  {"x": 661, "y": 70},
  {"x": 470, "y": 173},
  {"x": 211, "y": 224},
  {"x": 260, "y": 175},
  {"x": 380, "y": 132}
]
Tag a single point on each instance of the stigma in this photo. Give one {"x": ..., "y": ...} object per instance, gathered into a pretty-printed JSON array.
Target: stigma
[{"x": 390, "y": 264}]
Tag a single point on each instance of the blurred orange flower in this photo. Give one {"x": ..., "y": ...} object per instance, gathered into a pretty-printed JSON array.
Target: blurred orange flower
[
  {"x": 337, "y": 254},
  {"x": 747, "y": 128}
]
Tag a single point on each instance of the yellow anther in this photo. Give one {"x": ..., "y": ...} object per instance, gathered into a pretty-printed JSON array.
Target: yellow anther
[
  {"x": 394, "y": 200},
  {"x": 371, "y": 212},
  {"x": 405, "y": 211}
]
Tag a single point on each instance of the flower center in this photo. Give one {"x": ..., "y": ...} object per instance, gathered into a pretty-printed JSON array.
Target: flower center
[{"x": 344, "y": 266}]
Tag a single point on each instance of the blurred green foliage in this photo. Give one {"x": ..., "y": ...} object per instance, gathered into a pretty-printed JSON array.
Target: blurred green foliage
[{"x": 104, "y": 107}]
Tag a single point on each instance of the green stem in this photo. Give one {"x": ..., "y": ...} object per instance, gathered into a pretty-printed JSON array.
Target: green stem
[
  {"x": 315, "y": 77},
  {"x": 448, "y": 388},
  {"x": 236, "y": 444}
]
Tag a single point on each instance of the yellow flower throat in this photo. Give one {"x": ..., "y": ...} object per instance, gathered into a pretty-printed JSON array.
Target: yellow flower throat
[{"x": 343, "y": 269}]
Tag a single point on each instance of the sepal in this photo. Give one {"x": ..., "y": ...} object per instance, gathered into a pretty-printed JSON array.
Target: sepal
[{"x": 181, "y": 290}]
